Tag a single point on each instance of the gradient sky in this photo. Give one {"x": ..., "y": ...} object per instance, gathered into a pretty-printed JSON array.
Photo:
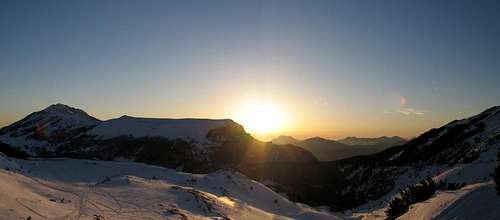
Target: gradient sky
[{"x": 335, "y": 68}]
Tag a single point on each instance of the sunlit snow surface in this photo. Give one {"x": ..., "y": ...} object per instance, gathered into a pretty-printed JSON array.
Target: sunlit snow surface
[
  {"x": 196, "y": 129},
  {"x": 476, "y": 201},
  {"x": 83, "y": 189}
]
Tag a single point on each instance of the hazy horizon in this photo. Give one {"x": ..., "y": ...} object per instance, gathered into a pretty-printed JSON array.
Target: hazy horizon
[
  {"x": 301, "y": 68},
  {"x": 264, "y": 137}
]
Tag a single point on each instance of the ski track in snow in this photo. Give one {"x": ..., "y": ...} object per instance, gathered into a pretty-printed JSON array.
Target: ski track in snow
[{"x": 81, "y": 189}]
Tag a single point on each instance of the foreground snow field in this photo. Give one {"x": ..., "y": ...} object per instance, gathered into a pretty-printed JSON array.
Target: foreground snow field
[
  {"x": 476, "y": 201},
  {"x": 83, "y": 189}
]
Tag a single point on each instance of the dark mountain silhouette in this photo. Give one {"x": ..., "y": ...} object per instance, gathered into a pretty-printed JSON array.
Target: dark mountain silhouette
[
  {"x": 380, "y": 141},
  {"x": 329, "y": 150}
]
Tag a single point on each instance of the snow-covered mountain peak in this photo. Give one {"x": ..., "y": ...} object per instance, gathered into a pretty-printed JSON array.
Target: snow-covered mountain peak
[
  {"x": 69, "y": 115},
  {"x": 64, "y": 114},
  {"x": 62, "y": 108},
  {"x": 57, "y": 121},
  {"x": 169, "y": 128}
]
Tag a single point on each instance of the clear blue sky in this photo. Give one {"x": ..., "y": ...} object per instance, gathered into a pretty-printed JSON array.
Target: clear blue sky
[{"x": 339, "y": 68}]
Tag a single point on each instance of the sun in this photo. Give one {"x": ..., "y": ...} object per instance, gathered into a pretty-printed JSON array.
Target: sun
[{"x": 260, "y": 117}]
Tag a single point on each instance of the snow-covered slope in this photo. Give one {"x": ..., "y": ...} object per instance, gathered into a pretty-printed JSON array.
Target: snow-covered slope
[
  {"x": 41, "y": 129},
  {"x": 476, "y": 201},
  {"x": 195, "y": 129},
  {"x": 460, "y": 141},
  {"x": 51, "y": 189},
  {"x": 463, "y": 151}
]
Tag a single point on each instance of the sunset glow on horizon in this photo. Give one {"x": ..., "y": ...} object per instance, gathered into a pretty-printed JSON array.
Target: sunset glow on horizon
[
  {"x": 300, "y": 68},
  {"x": 261, "y": 118}
]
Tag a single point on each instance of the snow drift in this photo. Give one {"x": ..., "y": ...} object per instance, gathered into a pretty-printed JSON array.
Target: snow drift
[{"x": 51, "y": 189}]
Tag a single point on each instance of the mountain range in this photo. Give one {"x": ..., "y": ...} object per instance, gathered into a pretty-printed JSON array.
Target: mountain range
[
  {"x": 388, "y": 141},
  {"x": 192, "y": 145},
  {"x": 462, "y": 151},
  {"x": 330, "y": 150}
]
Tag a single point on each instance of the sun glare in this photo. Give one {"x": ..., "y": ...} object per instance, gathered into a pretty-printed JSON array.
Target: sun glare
[{"x": 260, "y": 118}]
